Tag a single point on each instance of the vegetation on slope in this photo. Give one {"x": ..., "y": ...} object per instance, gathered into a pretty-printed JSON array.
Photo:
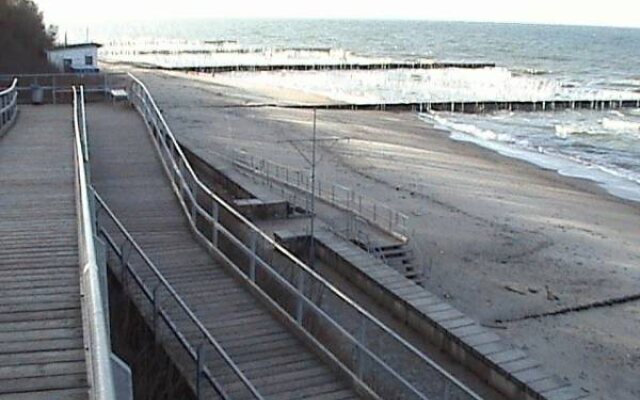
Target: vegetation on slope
[{"x": 23, "y": 38}]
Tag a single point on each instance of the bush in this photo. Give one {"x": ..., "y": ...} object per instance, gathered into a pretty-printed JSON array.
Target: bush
[{"x": 24, "y": 38}]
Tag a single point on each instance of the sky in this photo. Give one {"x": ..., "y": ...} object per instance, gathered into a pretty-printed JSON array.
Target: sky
[{"x": 571, "y": 12}]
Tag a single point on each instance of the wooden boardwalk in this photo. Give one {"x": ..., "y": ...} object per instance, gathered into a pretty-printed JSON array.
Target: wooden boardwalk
[
  {"x": 127, "y": 173},
  {"x": 41, "y": 337}
]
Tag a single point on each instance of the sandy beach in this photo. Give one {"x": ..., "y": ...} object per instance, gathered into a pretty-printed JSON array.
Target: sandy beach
[{"x": 502, "y": 239}]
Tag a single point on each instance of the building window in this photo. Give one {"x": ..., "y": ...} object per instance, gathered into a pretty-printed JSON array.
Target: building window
[
  {"x": 66, "y": 63},
  {"x": 88, "y": 60}
]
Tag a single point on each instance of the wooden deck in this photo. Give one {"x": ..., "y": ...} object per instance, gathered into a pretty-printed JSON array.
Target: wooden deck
[
  {"x": 41, "y": 338},
  {"x": 127, "y": 173}
]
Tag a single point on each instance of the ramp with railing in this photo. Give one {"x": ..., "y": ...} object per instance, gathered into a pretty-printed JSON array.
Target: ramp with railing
[
  {"x": 290, "y": 332},
  {"x": 53, "y": 333}
]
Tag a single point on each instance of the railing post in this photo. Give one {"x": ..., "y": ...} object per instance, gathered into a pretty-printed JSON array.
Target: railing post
[
  {"x": 53, "y": 89},
  {"x": 253, "y": 239},
  {"x": 390, "y": 220},
  {"x": 299, "y": 296},
  {"x": 124, "y": 259},
  {"x": 200, "y": 372},
  {"x": 156, "y": 314},
  {"x": 215, "y": 213},
  {"x": 362, "y": 340},
  {"x": 268, "y": 175},
  {"x": 180, "y": 178},
  {"x": 194, "y": 202}
]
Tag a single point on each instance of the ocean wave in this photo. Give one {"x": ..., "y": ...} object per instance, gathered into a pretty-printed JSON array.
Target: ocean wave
[
  {"x": 625, "y": 83},
  {"x": 473, "y": 130},
  {"x": 621, "y": 126},
  {"x": 604, "y": 126},
  {"x": 618, "y": 181},
  {"x": 563, "y": 131},
  {"x": 531, "y": 71}
]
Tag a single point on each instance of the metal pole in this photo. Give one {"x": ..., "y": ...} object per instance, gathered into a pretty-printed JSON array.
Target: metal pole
[
  {"x": 200, "y": 373},
  {"x": 313, "y": 195},
  {"x": 215, "y": 213},
  {"x": 252, "y": 263},
  {"x": 156, "y": 314}
]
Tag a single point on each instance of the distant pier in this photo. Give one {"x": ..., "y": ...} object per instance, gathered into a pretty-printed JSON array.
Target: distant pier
[
  {"x": 329, "y": 67},
  {"x": 480, "y": 107}
]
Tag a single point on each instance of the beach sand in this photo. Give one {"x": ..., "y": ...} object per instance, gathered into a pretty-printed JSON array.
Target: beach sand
[{"x": 501, "y": 238}]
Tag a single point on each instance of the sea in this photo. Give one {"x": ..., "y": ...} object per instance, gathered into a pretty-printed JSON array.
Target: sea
[{"x": 603, "y": 146}]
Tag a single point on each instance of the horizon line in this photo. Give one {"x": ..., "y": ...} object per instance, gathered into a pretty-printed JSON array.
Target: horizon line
[{"x": 328, "y": 18}]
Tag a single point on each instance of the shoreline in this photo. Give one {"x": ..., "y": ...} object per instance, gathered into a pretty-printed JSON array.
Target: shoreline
[{"x": 614, "y": 185}]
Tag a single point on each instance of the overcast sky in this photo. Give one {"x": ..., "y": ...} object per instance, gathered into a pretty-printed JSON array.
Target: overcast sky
[{"x": 582, "y": 12}]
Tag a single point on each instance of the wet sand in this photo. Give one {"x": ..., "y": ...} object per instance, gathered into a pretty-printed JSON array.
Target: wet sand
[{"x": 501, "y": 239}]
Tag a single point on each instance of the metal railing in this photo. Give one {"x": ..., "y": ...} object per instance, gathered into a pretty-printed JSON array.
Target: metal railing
[
  {"x": 95, "y": 318},
  {"x": 377, "y": 360},
  {"x": 341, "y": 197},
  {"x": 8, "y": 106},
  {"x": 164, "y": 307},
  {"x": 57, "y": 87}
]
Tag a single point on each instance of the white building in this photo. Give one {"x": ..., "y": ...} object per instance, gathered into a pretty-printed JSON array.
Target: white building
[{"x": 82, "y": 57}]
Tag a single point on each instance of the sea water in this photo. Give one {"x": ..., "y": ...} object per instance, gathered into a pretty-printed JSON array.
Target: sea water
[{"x": 534, "y": 61}]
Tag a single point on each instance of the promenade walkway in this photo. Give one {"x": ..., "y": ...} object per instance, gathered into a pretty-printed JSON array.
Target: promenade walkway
[
  {"x": 42, "y": 352},
  {"x": 129, "y": 176}
]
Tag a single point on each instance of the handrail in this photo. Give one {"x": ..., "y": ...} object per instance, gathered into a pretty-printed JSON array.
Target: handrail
[
  {"x": 13, "y": 85},
  {"x": 83, "y": 128},
  {"x": 162, "y": 281},
  {"x": 179, "y": 166},
  {"x": 94, "y": 315},
  {"x": 375, "y": 213},
  {"x": 57, "y": 86},
  {"x": 8, "y": 106}
]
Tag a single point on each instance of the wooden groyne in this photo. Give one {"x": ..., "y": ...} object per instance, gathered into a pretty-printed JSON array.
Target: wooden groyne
[
  {"x": 480, "y": 107},
  {"x": 329, "y": 67}
]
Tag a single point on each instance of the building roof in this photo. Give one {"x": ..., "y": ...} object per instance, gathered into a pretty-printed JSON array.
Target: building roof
[{"x": 76, "y": 46}]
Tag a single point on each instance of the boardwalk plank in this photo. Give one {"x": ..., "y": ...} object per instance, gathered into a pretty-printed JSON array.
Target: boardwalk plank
[
  {"x": 41, "y": 343},
  {"x": 134, "y": 186}
]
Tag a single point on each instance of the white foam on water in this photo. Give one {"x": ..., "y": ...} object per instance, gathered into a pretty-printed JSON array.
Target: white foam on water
[
  {"x": 192, "y": 54},
  {"x": 616, "y": 181},
  {"x": 621, "y": 126},
  {"x": 566, "y": 130},
  {"x": 472, "y": 130},
  {"x": 412, "y": 86}
]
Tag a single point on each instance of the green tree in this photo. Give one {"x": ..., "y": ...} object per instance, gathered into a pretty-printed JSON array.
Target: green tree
[{"x": 23, "y": 38}]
